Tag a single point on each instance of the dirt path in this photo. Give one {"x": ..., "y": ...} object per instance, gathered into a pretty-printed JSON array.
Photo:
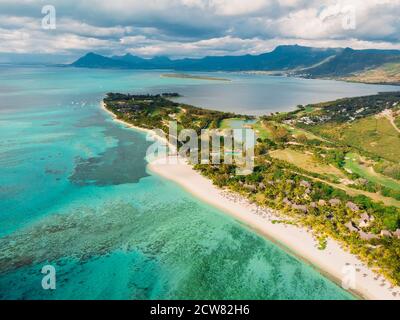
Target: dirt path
[
  {"x": 388, "y": 115},
  {"x": 355, "y": 192},
  {"x": 391, "y": 119}
]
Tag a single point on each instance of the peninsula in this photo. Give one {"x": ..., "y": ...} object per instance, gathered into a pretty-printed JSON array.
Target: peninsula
[{"x": 325, "y": 183}]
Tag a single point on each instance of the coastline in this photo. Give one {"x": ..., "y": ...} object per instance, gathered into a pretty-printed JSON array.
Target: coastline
[
  {"x": 339, "y": 79},
  {"x": 114, "y": 117},
  {"x": 150, "y": 133},
  {"x": 331, "y": 262}
]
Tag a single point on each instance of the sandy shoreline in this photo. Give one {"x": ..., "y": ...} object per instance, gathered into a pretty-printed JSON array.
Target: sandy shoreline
[
  {"x": 150, "y": 133},
  {"x": 333, "y": 261}
]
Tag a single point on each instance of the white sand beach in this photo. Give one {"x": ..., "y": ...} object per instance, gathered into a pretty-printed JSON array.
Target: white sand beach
[
  {"x": 148, "y": 131},
  {"x": 334, "y": 261}
]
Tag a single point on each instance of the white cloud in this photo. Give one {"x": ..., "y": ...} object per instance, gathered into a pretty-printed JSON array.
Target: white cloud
[
  {"x": 195, "y": 27},
  {"x": 237, "y": 7}
]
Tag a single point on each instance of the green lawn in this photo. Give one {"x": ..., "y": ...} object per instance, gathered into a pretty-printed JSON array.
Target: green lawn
[
  {"x": 367, "y": 172},
  {"x": 307, "y": 162},
  {"x": 397, "y": 121},
  {"x": 235, "y": 123},
  {"x": 261, "y": 130},
  {"x": 309, "y": 109},
  {"x": 299, "y": 131},
  {"x": 375, "y": 135}
]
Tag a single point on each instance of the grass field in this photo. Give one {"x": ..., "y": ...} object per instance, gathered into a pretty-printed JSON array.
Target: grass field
[
  {"x": 235, "y": 123},
  {"x": 298, "y": 131},
  {"x": 367, "y": 172},
  {"x": 309, "y": 109},
  {"x": 355, "y": 192},
  {"x": 397, "y": 121},
  {"x": 375, "y": 135},
  {"x": 261, "y": 130},
  {"x": 226, "y": 123},
  {"x": 307, "y": 162},
  {"x": 387, "y": 73}
]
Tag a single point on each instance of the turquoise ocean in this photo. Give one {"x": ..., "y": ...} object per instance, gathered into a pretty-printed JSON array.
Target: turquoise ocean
[{"x": 75, "y": 194}]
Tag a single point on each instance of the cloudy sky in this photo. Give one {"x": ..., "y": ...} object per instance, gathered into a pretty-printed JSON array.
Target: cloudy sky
[{"x": 193, "y": 28}]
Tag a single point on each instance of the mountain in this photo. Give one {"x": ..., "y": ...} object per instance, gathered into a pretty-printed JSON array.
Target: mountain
[
  {"x": 351, "y": 61},
  {"x": 93, "y": 60},
  {"x": 130, "y": 59},
  {"x": 291, "y": 59},
  {"x": 282, "y": 58}
]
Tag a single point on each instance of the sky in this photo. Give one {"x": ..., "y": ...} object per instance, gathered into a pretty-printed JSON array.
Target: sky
[{"x": 190, "y": 28}]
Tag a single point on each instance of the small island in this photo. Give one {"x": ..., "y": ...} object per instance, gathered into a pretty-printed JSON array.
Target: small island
[{"x": 194, "y": 77}]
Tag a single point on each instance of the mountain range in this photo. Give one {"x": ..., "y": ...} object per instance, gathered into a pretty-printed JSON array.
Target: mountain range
[{"x": 291, "y": 59}]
